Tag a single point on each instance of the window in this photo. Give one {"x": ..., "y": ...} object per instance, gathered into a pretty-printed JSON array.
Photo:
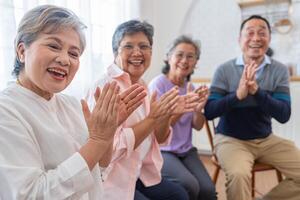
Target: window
[{"x": 101, "y": 18}]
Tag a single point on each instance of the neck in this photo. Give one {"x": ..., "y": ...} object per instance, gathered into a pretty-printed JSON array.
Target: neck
[
  {"x": 26, "y": 83},
  {"x": 257, "y": 61},
  {"x": 176, "y": 80}
]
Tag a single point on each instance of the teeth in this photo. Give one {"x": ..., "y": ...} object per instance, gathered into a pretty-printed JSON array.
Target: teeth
[
  {"x": 57, "y": 71},
  {"x": 136, "y": 61}
]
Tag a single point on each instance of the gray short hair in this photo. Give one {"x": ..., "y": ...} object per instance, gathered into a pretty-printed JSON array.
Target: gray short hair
[
  {"x": 47, "y": 18},
  {"x": 128, "y": 28},
  {"x": 184, "y": 39},
  {"x": 179, "y": 40}
]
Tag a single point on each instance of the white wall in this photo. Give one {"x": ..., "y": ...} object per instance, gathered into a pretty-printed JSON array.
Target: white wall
[{"x": 216, "y": 23}]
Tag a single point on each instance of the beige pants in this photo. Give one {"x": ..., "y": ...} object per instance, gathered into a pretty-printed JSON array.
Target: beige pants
[{"x": 236, "y": 158}]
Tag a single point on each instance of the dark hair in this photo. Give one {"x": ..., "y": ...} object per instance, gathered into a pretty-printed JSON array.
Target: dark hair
[
  {"x": 179, "y": 40},
  {"x": 255, "y": 17},
  {"x": 45, "y": 18},
  {"x": 128, "y": 28},
  {"x": 270, "y": 52}
]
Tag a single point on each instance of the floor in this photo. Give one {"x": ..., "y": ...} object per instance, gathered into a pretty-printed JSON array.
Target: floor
[{"x": 264, "y": 180}]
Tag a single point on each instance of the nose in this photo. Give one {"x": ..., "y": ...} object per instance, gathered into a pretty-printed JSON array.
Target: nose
[
  {"x": 184, "y": 59},
  {"x": 63, "y": 59},
  {"x": 256, "y": 37},
  {"x": 136, "y": 50}
]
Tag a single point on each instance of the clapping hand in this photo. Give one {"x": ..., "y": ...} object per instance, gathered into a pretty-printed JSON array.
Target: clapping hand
[
  {"x": 102, "y": 122},
  {"x": 248, "y": 84},
  {"x": 203, "y": 93},
  {"x": 131, "y": 99}
]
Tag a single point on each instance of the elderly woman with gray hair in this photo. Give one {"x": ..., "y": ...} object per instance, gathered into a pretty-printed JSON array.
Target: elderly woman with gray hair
[
  {"x": 135, "y": 169},
  {"x": 51, "y": 147},
  {"x": 181, "y": 162}
]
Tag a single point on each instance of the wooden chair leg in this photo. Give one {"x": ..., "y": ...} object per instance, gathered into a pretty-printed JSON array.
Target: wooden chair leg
[
  {"x": 253, "y": 184},
  {"x": 216, "y": 174},
  {"x": 279, "y": 176}
]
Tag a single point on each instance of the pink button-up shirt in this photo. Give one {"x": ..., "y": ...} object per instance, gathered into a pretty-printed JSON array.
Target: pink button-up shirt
[{"x": 128, "y": 163}]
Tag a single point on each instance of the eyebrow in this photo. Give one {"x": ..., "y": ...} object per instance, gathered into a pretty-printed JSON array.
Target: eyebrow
[
  {"x": 262, "y": 27},
  {"x": 60, "y": 42}
]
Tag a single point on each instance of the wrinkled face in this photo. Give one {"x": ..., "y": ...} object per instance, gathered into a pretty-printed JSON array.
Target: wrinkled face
[
  {"x": 50, "y": 62},
  {"x": 134, "y": 55},
  {"x": 254, "y": 39},
  {"x": 182, "y": 60}
]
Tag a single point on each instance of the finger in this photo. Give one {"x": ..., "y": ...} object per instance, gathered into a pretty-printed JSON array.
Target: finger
[
  {"x": 189, "y": 87},
  {"x": 170, "y": 103},
  {"x": 115, "y": 109},
  {"x": 134, "y": 107},
  {"x": 112, "y": 101},
  {"x": 128, "y": 91},
  {"x": 101, "y": 96},
  {"x": 97, "y": 94},
  {"x": 137, "y": 99},
  {"x": 85, "y": 109},
  {"x": 133, "y": 94},
  {"x": 173, "y": 91},
  {"x": 108, "y": 97}
]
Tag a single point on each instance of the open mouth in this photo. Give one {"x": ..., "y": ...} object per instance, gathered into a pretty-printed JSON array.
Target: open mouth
[
  {"x": 57, "y": 72},
  {"x": 136, "y": 62}
]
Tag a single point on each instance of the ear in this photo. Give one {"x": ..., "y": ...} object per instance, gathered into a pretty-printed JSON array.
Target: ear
[{"x": 21, "y": 52}]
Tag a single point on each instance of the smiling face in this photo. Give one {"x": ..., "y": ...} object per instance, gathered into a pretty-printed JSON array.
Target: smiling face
[
  {"x": 182, "y": 60},
  {"x": 254, "y": 40},
  {"x": 50, "y": 62},
  {"x": 134, "y": 55}
]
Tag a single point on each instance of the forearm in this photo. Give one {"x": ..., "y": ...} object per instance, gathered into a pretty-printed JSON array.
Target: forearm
[
  {"x": 217, "y": 107},
  {"x": 96, "y": 151},
  {"x": 280, "y": 109},
  {"x": 142, "y": 130},
  {"x": 198, "y": 120},
  {"x": 162, "y": 130}
]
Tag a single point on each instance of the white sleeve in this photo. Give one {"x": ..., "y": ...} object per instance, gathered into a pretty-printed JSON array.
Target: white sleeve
[{"x": 22, "y": 169}]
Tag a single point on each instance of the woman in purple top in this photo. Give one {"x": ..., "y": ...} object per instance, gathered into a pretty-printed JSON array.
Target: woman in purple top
[{"x": 181, "y": 162}]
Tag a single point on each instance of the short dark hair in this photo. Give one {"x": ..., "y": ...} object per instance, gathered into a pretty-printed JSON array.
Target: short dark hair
[
  {"x": 128, "y": 28},
  {"x": 255, "y": 17}
]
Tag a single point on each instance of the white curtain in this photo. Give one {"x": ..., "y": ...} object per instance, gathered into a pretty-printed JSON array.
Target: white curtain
[{"x": 101, "y": 18}]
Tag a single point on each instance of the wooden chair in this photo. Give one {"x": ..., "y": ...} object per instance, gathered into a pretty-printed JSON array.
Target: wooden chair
[{"x": 257, "y": 167}]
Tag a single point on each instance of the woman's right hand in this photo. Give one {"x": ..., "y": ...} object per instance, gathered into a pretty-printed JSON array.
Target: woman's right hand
[
  {"x": 102, "y": 122},
  {"x": 165, "y": 106}
]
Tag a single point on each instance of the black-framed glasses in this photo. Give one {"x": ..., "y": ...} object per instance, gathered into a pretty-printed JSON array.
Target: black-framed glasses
[{"x": 129, "y": 48}]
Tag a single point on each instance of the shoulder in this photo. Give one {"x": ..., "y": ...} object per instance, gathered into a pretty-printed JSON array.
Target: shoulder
[
  {"x": 160, "y": 79},
  {"x": 158, "y": 82},
  {"x": 276, "y": 65},
  {"x": 227, "y": 66}
]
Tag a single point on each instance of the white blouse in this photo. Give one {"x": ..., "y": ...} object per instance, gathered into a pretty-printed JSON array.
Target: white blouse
[{"x": 39, "y": 144}]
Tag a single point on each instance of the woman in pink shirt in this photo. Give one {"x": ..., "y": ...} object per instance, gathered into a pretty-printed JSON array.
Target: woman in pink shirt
[{"x": 135, "y": 169}]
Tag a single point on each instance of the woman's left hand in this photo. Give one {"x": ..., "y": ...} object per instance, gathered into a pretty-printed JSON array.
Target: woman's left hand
[
  {"x": 131, "y": 99},
  {"x": 203, "y": 93}
]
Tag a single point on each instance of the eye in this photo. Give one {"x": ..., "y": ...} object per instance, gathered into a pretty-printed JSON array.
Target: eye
[
  {"x": 145, "y": 47},
  {"x": 262, "y": 34},
  {"x": 53, "y": 46},
  {"x": 128, "y": 46},
  {"x": 179, "y": 55},
  {"x": 190, "y": 57},
  {"x": 74, "y": 54}
]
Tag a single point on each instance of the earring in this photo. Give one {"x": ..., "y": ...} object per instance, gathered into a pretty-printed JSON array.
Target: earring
[{"x": 21, "y": 58}]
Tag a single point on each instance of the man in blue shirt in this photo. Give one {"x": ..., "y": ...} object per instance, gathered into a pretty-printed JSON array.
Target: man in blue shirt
[{"x": 246, "y": 93}]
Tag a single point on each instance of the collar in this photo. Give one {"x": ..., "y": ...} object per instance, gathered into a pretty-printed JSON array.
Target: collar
[{"x": 240, "y": 61}]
